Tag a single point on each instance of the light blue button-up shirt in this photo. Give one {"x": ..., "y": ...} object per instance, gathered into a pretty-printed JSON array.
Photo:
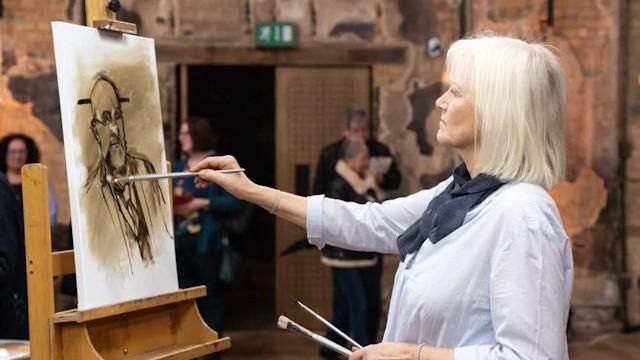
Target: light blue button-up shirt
[{"x": 498, "y": 287}]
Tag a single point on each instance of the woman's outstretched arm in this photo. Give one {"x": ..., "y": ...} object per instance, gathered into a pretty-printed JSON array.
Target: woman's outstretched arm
[{"x": 362, "y": 227}]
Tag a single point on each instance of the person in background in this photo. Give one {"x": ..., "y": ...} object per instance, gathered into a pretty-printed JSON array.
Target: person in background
[
  {"x": 386, "y": 175},
  {"x": 356, "y": 126},
  {"x": 17, "y": 150},
  {"x": 199, "y": 232},
  {"x": 356, "y": 275},
  {"x": 13, "y": 292}
]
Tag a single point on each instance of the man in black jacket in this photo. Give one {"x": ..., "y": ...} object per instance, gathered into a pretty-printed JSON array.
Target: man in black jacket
[
  {"x": 356, "y": 275},
  {"x": 356, "y": 126},
  {"x": 11, "y": 259}
]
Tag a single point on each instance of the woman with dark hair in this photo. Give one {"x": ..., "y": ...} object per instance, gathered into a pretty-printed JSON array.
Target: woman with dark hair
[
  {"x": 17, "y": 150},
  {"x": 200, "y": 235}
]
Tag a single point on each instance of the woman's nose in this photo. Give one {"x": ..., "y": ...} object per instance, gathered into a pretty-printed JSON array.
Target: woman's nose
[{"x": 440, "y": 103}]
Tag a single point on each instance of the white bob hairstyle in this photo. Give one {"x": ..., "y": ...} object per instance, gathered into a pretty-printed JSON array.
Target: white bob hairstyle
[{"x": 519, "y": 96}]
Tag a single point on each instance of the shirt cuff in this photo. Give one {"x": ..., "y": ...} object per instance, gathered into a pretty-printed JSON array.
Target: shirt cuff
[{"x": 314, "y": 220}]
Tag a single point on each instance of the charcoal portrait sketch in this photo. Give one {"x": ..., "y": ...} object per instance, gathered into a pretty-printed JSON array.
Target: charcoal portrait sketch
[
  {"x": 131, "y": 205},
  {"x": 112, "y": 127}
]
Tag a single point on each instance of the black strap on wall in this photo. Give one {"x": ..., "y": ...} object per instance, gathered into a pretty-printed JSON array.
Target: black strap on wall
[{"x": 302, "y": 179}]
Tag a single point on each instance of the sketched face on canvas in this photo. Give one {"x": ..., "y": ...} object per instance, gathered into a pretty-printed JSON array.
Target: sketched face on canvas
[{"x": 131, "y": 206}]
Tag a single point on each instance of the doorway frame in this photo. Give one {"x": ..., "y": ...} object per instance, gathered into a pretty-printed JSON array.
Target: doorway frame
[{"x": 184, "y": 54}]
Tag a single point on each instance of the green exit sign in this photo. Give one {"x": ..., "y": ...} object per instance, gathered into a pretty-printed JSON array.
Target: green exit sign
[{"x": 276, "y": 34}]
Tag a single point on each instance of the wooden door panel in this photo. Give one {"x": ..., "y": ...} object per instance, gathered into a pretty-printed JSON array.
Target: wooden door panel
[{"x": 310, "y": 103}]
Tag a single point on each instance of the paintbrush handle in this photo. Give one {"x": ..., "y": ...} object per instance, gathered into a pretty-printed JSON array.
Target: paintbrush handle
[
  {"x": 173, "y": 175},
  {"x": 328, "y": 324}
]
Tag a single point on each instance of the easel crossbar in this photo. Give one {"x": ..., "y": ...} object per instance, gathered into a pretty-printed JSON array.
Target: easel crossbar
[
  {"x": 129, "y": 306},
  {"x": 63, "y": 263}
]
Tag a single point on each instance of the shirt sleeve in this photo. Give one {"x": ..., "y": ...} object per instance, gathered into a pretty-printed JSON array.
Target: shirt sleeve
[
  {"x": 530, "y": 282},
  {"x": 365, "y": 227}
]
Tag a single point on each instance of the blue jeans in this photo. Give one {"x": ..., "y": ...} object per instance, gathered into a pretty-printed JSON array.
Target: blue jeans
[{"x": 356, "y": 304}]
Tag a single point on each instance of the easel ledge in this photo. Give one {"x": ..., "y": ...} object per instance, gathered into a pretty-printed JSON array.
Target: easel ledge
[
  {"x": 166, "y": 326},
  {"x": 116, "y": 26},
  {"x": 81, "y": 316}
]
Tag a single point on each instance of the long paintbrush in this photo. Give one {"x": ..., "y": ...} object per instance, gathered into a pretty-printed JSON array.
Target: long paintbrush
[
  {"x": 172, "y": 175},
  {"x": 328, "y": 324}
]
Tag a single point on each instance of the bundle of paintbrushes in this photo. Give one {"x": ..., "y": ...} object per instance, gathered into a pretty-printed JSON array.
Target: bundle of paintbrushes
[{"x": 286, "y": 324}]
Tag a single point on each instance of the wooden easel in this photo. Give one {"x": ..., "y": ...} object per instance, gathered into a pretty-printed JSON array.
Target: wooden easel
[{"x": 161, "y": 327}]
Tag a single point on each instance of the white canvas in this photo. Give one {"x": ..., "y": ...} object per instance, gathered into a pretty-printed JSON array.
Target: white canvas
[{"x": 112, "y": 125}]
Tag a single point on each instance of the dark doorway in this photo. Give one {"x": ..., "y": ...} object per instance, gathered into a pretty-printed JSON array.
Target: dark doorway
[{"x": 239, "y": 101}]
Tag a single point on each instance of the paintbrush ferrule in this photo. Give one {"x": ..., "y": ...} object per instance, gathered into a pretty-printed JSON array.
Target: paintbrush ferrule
[{"x": 287, "y": 324}]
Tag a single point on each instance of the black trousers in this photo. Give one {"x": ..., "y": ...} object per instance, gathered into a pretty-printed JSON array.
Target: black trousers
[{"x": 356, "y": 305}]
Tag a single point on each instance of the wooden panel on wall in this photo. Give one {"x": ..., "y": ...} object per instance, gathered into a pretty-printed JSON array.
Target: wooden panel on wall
[{"x": 310, "y": 103}]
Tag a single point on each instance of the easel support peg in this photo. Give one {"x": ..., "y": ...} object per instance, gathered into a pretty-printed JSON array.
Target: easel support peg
[{"x": 101, "y": 14}]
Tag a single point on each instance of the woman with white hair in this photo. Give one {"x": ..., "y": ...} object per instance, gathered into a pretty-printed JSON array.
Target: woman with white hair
[{"x": 486, "y": 267}]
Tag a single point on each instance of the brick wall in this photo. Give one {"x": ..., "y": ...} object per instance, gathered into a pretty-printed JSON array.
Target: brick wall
[
  {"x": 28, "y": 87},
  {"x": 632, "y": 164},
  {"x": 592, "y": 141},
  {"x": 590, "y": 199}
]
